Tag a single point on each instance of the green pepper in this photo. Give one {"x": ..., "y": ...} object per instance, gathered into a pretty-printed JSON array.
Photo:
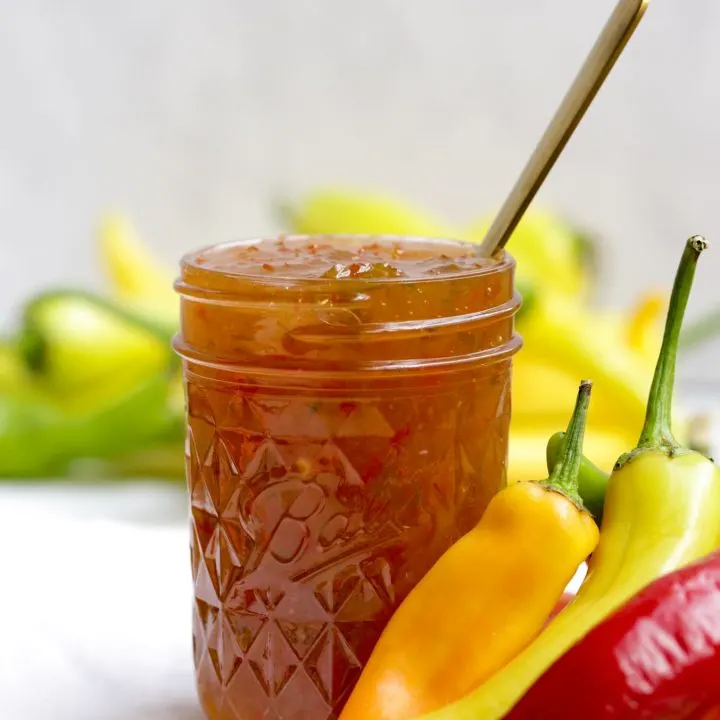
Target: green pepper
[
  {"x": 164, "y": 461},
  {"x": 39, "y": 438},
  {"x": 593, "y": 481},
  {"x": 87, "y": 379},
  {"x": 14, "y": 374},
  {"x": 529, "y": 298},
  {"x": 84, "y": 350},
  {"x": 30, "y": 436}
]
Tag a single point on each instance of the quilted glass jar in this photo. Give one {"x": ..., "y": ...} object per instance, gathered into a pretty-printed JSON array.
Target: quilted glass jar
[{"x": 348, "y": 402}]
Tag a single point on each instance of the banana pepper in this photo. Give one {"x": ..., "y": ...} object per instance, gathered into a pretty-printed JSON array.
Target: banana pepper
[{"x": 662, "y": 512}]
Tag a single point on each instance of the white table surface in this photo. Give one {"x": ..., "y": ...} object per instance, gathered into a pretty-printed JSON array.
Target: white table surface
[{"x": 95, "y": 600}]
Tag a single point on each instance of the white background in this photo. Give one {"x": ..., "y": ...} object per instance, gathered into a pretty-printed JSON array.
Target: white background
[{"x": 95, "y": 603}]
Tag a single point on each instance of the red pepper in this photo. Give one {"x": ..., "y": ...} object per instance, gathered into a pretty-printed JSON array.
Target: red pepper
[
  {"x": 705, "y": 714},
  {"x": 656, "y": 657}
]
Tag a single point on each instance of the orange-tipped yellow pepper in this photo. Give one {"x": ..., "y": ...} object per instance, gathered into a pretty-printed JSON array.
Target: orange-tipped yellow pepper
[{"x": 486, "y": 598}]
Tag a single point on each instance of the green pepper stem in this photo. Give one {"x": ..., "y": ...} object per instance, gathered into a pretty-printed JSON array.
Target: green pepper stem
[
  {"x": 657, "y": 431},
  {"x": 565, "y": 475}
]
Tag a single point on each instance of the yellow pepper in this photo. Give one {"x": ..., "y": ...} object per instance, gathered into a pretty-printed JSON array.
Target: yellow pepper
[
  {"x": 327, "y": 212},
  {"x": 138, "y": 280},
  {"x": 528, "y": 445},
  {"x": 563, "y": 339},
  {"x": 662, "y": 511},
  {"x": 473, "y": 612},
  {"x": 541, "y": 245}
]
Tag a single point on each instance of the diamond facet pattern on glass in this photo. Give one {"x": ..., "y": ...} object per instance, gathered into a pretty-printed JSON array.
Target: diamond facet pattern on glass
[{"x": 308, "y": 529}]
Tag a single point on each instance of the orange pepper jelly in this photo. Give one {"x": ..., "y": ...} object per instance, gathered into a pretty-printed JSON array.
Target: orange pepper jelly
[{"x": 348, "y": 402}]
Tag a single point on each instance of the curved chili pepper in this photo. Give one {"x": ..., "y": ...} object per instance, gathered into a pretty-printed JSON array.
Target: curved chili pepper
[
  {"x": 662, "y": 512},
  {"x": 502, "y": 580},
  {"x": 656, "y": 657},
  {"x": 713, "y": 714},
  {"x": 705, "y": 714}
]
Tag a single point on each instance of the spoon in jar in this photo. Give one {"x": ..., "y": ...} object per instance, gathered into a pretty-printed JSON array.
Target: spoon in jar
[{"x": 607, "y": 49}]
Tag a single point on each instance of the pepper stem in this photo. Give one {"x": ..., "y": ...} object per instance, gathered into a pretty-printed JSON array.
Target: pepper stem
[
  {"x": 657, "y": 431},
  {"x": 565, "y": 474}
]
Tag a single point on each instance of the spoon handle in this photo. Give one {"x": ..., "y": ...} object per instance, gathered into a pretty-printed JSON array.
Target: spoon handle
[{"x": 607, "y": 49}]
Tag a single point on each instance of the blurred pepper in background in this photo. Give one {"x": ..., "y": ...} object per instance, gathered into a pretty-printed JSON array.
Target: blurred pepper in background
[
  {"x": 564, "y": 337},
  {"x": 89, "y": 379}
]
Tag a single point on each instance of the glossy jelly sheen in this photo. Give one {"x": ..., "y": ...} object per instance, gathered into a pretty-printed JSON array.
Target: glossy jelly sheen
[
  {"x": 324, "y": 258},
  {"x": 348, "y": 404}
]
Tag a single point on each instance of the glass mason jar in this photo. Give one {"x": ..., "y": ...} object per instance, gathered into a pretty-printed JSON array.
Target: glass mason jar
[{"x": 348, "y": 402}]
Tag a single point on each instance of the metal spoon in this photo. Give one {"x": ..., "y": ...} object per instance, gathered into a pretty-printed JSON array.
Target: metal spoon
[{"x": 597, "y": 67}]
